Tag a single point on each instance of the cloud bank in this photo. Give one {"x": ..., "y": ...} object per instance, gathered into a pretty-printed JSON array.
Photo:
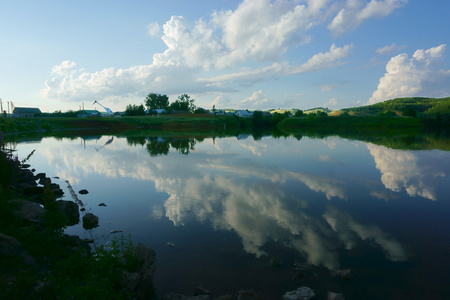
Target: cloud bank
[
  {"x": 257, "y": 33},
  {"x": 422, "y": 74}
]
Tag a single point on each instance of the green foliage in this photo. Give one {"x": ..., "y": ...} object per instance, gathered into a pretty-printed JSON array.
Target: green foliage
[
  {"x": 298, "y": 113},
  {"x": 199, "y": 110},
  {"x": 409, "y": 112},
  {"x": 156, "y": 101},
  {"x": 183, "y": 103},
  {"x": 135, "y": 110},
  {"x": 420, "y": 104},
  {"x": 442, "y": 108}
]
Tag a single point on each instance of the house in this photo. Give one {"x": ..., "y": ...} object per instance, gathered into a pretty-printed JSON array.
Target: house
[
  {"x": 244, "y": 114},
  {"x": 26, "y": 112}
]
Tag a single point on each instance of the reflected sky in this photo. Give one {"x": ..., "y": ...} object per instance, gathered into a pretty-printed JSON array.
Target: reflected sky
[{"x": 300, "y": 194}]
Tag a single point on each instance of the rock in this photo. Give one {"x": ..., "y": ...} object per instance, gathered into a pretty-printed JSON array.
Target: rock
[
  {"x": 83, "y": 192},
  {"x": 77, "y": 244},
  {"x": 25, "y": 166},
  {"x": 201, "y": 291},
  {"x": 30, "y": 211},
  {"x": 90, "y": 221},
  {"x": 115, "y": 231},
  {"x": 148, "y": 257},
  {"x": 102, "y": 204},
  {"x": 40, "y": 176},
  {"x": 247, "y": 295},
  {"x": 131, "y": 281},
  {"x": 335, "y": 296},
  {"x": 302, "y": 293},
  {"x": 30, "y": 190},
  {"x": 171, "y": 245},
  {"x": 9, "y": 245},
  {"x": 71, "y": 210}
]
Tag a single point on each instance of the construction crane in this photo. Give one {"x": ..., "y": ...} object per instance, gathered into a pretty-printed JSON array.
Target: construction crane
[{"x": 107, "y": 109}]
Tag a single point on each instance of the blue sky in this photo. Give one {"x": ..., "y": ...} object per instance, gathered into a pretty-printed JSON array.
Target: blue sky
[{"x": 250, "y": 54}]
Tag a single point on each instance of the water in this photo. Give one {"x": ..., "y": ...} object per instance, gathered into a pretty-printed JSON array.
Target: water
[{"x": 231, "y": 206}]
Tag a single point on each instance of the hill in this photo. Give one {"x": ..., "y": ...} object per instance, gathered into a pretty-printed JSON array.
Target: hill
[{"x": 398, "y": 106}]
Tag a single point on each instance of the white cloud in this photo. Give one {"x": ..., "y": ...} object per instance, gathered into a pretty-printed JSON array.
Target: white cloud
[
  {"x": 64, "y": 67},
  {"x": 355, "y": 12},
  {"x": 332, "y": 103},
  {"x": 257, "y": 100},
  {"x": 327, "y": 87},
  {"x": 257, "y": 31},
  {"x": 325, "y": 60},
  {"x": 388, "y": 49},
  {"x": 420, "y": 75},
  {"x": 153, "y": 29}
]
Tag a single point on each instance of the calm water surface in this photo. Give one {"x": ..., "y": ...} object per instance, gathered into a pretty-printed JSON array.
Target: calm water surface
[{"x": 233, "y": 205}]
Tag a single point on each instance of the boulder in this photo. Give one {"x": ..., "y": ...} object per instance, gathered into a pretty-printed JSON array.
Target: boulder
[
  {"x": 9, "y": 245},
  {"x": 147, "y": 256},
  {"x": 83, "y": 192},
  {"x": 302, "y": 293},
  {"x": 29, "y": 211},
  {"x": 71, "y": 210},
  {"x": 90, "y": 221}
]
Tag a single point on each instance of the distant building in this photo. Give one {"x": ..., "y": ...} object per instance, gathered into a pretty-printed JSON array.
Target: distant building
[
  {"x": 89, "y": 113},
  {"x": 26, "y": 112},
  {"x": 244, "y": 114}
]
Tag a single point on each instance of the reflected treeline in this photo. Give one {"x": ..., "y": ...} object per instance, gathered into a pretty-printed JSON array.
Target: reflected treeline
[{"x": 161, "y": 145}]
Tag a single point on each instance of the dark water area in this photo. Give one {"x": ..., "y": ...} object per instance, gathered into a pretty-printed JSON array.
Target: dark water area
[{"x": 271, "y": 214}]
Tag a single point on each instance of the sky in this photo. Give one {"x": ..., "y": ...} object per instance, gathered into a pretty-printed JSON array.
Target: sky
[{"x": 249, "y": 54}]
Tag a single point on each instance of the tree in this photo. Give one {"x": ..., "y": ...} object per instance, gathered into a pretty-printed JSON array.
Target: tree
[
  {"x": 409, "y": 112},
  {"x": 298, "y": 113},
  {"x": 135, "y": 110},
  {"x": 184, "y": 103},
  {"x": 156, "y": 101}
]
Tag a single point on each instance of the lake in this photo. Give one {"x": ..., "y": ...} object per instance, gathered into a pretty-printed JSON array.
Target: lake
[{"x": 240, "y": 213}]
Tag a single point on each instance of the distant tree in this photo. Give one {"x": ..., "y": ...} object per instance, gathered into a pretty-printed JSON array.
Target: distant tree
[
  {"x": 199, "y": 110},
  {"x": 298, "y": 113},
  {"x": 409, "y": 112},
  {"x": 183, "y": 103},
  {"x": 156, "y": 101},
  {"x": 135, "y": 110}
]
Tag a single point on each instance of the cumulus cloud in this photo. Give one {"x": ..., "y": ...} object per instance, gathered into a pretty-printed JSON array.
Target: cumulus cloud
[
  {"x": 355, "y": 12},
  {"x": 64, "y": 67},
  {"x": 257, "y": 100},
  {"x": 153, "y": 29},
  {"x": 256, "y": 33},
  {"x": 332, "y": 103},
  {"x": 421, "y": 74},
  {"x": 388, "y": 49}
]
